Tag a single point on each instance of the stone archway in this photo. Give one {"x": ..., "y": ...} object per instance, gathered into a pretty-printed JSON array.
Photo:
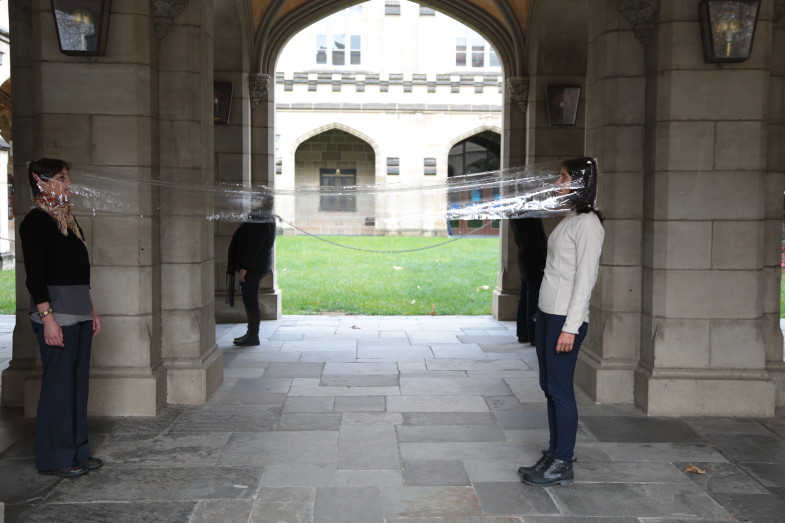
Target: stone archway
[{"x": 335, "y": 158}]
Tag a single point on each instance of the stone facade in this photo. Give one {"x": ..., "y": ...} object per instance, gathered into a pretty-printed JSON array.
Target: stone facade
[{"x": 684, "y": 318}]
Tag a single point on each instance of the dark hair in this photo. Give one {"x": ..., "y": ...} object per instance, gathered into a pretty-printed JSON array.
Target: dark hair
[
  {"x": 45, "y": 169},
  {"x": 584, "y": 170}
]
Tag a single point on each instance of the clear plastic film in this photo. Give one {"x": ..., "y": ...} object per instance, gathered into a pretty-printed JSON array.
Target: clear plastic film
[{"x": 425, "y": 204}]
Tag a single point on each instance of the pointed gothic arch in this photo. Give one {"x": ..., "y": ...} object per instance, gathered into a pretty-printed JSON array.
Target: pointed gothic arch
[{"x": 341, "y": 127}]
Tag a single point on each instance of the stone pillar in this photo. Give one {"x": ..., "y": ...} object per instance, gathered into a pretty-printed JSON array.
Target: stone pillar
[
  {"x": 193, "y": 362},
  {"x": 101, "y": 116},
  {"x": 704, "y": 224},
  {"x": 24, "y": 107},
  {"x": 232, "y": 144},
  {"x": 615, "y": 125},
  {"x": 516, "y": 99},
  {"x": 263, "y": 171},
  {"x": 775, "y": 184}
]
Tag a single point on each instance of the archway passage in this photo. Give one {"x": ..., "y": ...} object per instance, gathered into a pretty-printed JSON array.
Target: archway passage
[
  {"x": 331, "y": 161},
  {"x": 681, "y": 235}
]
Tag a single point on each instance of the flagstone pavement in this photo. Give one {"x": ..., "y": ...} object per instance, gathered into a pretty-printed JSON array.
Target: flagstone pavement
[{"x": 398, "y": 420}]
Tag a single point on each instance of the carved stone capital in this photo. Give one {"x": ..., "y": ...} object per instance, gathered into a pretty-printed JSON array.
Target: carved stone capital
[
  {"x": 518, "y": 88},
  {"x": 258, "y": 88},
  {"x": 163, "y": 13},
  {"x": 21, "y": 10},
  {"x": 642, "y": 14},
  {"x": 779, "y": 9}
]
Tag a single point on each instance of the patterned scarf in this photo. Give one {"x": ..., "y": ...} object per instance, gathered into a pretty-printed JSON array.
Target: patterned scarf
[{"x": 60, "y": 210}]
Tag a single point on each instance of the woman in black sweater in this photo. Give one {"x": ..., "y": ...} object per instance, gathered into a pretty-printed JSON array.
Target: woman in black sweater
[{"x": 63, "y": 317}]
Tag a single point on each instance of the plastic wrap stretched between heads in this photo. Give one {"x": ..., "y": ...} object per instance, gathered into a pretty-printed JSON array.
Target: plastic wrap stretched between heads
[
  {"x": 419, "y": 204},
  {"x": 584, "y": 171}
]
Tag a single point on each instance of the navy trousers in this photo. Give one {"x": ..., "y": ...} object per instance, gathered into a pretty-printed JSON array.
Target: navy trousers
[
  {"x": 61, "y": 425},
  {"x": 556, "y": 374}
]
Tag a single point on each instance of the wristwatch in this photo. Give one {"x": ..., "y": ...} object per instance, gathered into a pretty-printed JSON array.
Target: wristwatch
[{"x": 46, "y": 313}]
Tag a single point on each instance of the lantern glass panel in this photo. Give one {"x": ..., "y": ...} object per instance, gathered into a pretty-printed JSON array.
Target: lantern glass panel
[
  {"x": 81, "y": 25},
  {"x": 732, "y": 28}
]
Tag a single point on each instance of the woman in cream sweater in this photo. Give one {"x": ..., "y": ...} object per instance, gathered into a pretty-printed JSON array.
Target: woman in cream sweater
[{"x": 571, "y": 268}]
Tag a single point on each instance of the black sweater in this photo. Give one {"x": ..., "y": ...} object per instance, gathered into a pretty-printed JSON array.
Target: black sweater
[
  {"x": 252, "y": 248},
  {"x": 50, "y": 257}
]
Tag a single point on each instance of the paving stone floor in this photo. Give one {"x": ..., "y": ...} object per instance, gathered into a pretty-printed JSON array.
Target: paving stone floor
[{"x": 398, "y": 420}]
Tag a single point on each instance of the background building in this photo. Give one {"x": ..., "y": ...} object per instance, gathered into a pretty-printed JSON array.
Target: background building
[{"x": 383, "y": 92}]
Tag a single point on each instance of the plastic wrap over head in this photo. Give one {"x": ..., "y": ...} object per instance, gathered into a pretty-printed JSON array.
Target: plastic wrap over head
[
  {"x": 584, "y": 172},
  {"x": 44, "y": 170}
]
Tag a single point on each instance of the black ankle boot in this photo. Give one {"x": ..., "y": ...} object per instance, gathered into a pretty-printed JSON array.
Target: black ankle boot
[
  {"x": 558, "y": 472},
  {"x": 248, "y": 340},
  {"x": 542, "y": 463}
]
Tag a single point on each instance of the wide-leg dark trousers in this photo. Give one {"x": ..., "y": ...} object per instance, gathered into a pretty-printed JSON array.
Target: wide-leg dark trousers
[
  {"x": 556, "y": 374},
  {"x": 61, "y": 425}
]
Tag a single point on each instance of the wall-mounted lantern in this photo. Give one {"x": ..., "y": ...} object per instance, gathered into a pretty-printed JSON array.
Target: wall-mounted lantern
[
  {"x": 728, "y": 29},
  {"x": 82, "y": 26},
  {"x": 561, "y": 103}
]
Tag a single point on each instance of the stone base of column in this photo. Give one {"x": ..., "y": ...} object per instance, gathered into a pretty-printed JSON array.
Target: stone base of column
[
  {"x": 192, "y": 382},
  {"x": 113, "y": 392},
  {"x": 776, "y": 371},
  {"x": 505, "y": 305},
  {"x": 14, "y": 381},
  {"x": 605, "y": 381},
  {"x": 269, "y": 302},
  {"x": 695, "y": 392}
]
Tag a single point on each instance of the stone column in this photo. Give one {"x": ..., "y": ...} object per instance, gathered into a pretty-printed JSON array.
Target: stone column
[
  {"x": 98, "y": 115},
  {"x": 24, "y": 107},
  {"x": 232, "y": 142},
  {"x": 703, "y": 349},
  {"x": 516, "y": 99},
  {"x": 615, "y": 125},
  {"x": 263, "y": 171},
  {"x": 193, "y": 362},
  {"x": 775, "y": 184}
]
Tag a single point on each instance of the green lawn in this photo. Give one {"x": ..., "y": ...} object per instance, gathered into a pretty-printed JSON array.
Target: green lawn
[
  {"x": 314, "y": 276},
  {"x": 457, "y": 278},
  {"x": 7, "y": 292},
  {"x": 782, "y": 296}
]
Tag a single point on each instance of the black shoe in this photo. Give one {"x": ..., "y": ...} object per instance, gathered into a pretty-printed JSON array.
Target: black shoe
[
  {"x": 559, "y": 472},
  {"x": 248, "y": 340},
  {"x": 523, "y": 339},
  {"x": 91, "y": 463},
  {"x": 542, "y": 463},
  {"x": 67, "y": 472}
]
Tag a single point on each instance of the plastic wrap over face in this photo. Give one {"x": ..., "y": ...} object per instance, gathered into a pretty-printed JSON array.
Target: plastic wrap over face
[
  {"x": 584, "y": 171},
  {"x": 424, "y": 204}
]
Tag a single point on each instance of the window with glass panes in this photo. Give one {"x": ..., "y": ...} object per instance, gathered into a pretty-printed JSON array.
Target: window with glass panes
[
  {"x": 472, "y": 50},
  {"x": 335, "y": 43},
  {"x": 337, "y": 190}
]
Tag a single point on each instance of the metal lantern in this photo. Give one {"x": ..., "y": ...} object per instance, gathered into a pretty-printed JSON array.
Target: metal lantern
[
  {"x": 728, "y": 29},
  {"x": 82, "y": 26}
]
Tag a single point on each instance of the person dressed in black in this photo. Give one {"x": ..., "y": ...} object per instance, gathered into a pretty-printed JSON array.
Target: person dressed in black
[
  {"x": 532, "y": 244},
  {"x": 64, "y": 320},
  {"x": 251, "y": 257}
]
